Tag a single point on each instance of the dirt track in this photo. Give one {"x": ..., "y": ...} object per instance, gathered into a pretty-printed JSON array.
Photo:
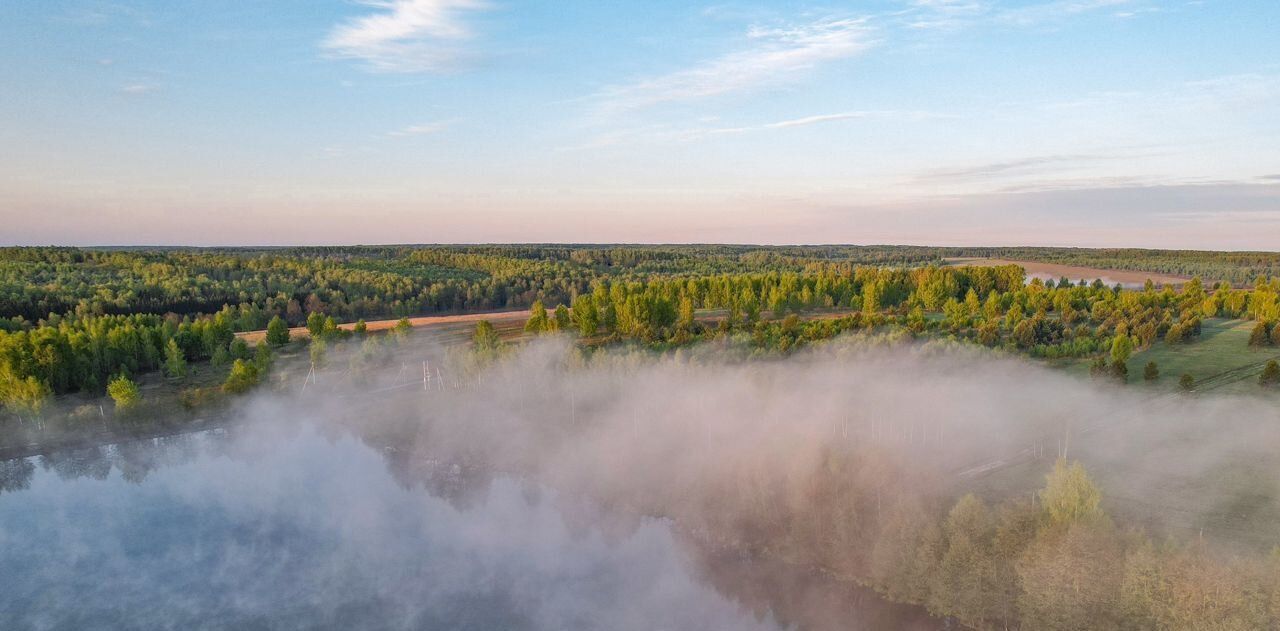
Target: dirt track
[{"x": 298, "y": 332}]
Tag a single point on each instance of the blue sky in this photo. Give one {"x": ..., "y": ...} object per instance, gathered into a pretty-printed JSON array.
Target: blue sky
[{"x": 1066, "y": 122}]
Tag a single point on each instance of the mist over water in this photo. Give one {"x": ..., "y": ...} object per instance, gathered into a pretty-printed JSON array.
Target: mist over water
[
  {"x": 279, "y": 529},
  {"x": 553, "y": 490}
]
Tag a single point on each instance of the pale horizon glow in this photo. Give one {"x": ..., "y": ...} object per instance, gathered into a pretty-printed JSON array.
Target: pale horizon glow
[{"x": 1100, "y": 123}]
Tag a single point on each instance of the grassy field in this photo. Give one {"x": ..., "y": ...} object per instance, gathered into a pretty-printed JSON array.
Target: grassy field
[
  {"x": 1216, "y": 477},
  {"x": 1221, "y": 361}
]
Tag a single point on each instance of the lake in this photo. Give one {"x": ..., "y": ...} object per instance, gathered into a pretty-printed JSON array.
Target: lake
[{"x": 298, "y": 528}]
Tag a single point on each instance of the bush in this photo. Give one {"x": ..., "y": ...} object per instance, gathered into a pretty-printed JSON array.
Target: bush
[
  {"x": 277, "y": 332},
  {"x": 124, "y": 392},
  {"x": 1151, "y": 372},
  {"x": 1260, "y": 336},
  {"x": 193, "y": 398},
  {"x": 1120, "y": 371},
  {"x": 243, "y": 376},
  {"x": 1270, "y": 377}
]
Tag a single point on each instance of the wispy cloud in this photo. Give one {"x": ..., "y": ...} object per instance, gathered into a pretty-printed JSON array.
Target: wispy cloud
[
  {"x": 666, "y": 134},
  {"x": 406, "y": 35},
  {"x": 953, "y": 14},
  {"x": 773, "y": 55},
  {"x": 945, "y": 14},
  {"x": 823, "y": 118},
  {"x": 421, "y": 129},
  {"x": 1057, "y": 10},
  {"x": 1020, "y": 166},
  {"x": 139, "y": 88},
  {"x": 1041, "y": 172},
  {"x": 1230, "y": 92}
]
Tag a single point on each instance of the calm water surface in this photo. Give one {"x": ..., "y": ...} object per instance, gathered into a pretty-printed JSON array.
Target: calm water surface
[{"x": 292, "y": 529}]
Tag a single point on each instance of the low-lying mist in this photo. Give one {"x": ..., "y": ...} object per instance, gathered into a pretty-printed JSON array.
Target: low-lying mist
[
  {"x": 558, "y": 483},
  {"x": 936, "y": 420}
]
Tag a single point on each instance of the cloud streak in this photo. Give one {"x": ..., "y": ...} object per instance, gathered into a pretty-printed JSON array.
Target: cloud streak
[
  {"x": 953, "y": 14},
  {"x": 773, "y": 56},
  {"x": 841, "y": 116},
  {"x": 139, "y": 88},
  {"x": 420, "y": 130},
  {"x": 664, "y": 134},
  {"x": 406, "y": 36}
]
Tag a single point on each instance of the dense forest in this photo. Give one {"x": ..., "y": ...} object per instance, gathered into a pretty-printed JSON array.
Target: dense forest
[
  {"x": 355, "y": 282},
  {"x": 395, "y": 281},
  {"x": 100, "y": 314}
]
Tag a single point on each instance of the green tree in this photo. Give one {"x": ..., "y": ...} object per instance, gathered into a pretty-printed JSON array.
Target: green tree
[
  {"x": 1120, "y": 371},
  {"x": 916, "y": 321},
  {"x": 1098, "y": 367},
  {"x": 262, "y": 357},
  {"x": 1024, "y": 333},
  {"x": 124, "y": 392},
  {"x": 989, "y": 334},
  {"x": 1121, "y": 347},
  {"x": 1261, "y": 335},
  {"x": 537, "y": 322},
  {"x": 240, "y": 349},
  {"x": 1186, "y": 381},
  {"x": 315, "y": 324},
  {"x": 485, "y": 341},
  {"x": 963, "y": 584},
  {"x": 685, "y": 314},
  {"x": 22, "y": 395},
  {"x": 220, "y": 357},
  {"x": 277, "y": 332},
  {"x": 402, "y": 329},
  {"x": 317, "y": 349},
  {"x": 1071, "y": 578},
  {"x": 243, "y": 376},
  {"x": 1069, "y": 495},
  {"x": 1151, "y": 372},
  {"x": 956, "y": 313},
  {"x": 972, "y": 304},
  {"x": 562, "y": 322},
  {"x": 1142, "y": 587},
  {"x": 175, "y": 361},
  {"x": 585, "y": 315},
  {"x": 749, "y": 305},
  {"x": 330, "y": 329},
  {"x": 871, "y": 294},
  {"x": 361, "y": 327},
  {"x": 1013, "y": 316},
  {"x": 1270, "y": 377}
]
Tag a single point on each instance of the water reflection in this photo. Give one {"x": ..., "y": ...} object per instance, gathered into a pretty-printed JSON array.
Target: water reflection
[{"x": 284, "y": 529}]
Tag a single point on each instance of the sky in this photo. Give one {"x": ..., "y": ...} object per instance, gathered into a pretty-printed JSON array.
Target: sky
[{"x": 1142, "y": 123}]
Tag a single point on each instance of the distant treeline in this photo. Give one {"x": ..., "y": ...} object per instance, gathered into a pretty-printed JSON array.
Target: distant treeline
[
  {"x": 988, "y": 305},
  {"x": 353, "y": 282},
  {"x": 1237, "y": 268},
  {"x": 364, "y": 282}
]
